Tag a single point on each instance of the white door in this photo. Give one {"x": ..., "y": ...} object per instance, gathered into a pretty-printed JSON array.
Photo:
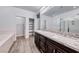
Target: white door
[{"x": 20, "y": 26}]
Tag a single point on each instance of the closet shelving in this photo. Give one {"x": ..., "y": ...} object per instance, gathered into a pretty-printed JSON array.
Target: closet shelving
[{"x": 31, "y": 26}]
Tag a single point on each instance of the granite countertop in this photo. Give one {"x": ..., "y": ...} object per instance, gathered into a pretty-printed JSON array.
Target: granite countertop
[
  {"x": 72, "y": 43},
  {"x": 4, "y": 36}
]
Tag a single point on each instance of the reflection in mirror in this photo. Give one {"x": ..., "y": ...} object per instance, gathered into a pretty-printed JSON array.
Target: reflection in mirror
[
  {"x": 60, "y": 20},
  {"x": 71, "y": 27},
  {"x": 62, "y": 25}
]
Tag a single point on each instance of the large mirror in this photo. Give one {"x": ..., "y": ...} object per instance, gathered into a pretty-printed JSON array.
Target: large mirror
[
  {"x": 60, "y": 19},
  {"x": 71, "y": 26}
]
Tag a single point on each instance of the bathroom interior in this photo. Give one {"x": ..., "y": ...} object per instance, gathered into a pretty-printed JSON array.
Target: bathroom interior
[{"x": 39, "y": 29}]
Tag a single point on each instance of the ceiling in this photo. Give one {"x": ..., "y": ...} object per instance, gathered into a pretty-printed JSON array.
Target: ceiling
[
  {"x": 59, "y": 10},
  {"x": 52, "y": 10},
  {"x": 30, "y": 8}
]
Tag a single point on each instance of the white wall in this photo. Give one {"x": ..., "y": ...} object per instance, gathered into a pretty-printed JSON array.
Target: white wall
[
  {"x": 36, "y": 23},
  {"x": 48, "y": 22},
  {"x": 8, "y": 18}
]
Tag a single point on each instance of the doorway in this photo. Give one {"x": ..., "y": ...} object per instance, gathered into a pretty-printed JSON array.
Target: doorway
[
  {"x": 31, "y": 26},
  {"x": 20, "y": 26}
]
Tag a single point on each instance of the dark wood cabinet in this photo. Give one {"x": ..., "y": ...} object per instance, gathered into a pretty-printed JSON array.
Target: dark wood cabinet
[
  {"x": 59, "y": 50},
  {"x": 42, "y": 44},
  {"x": 50, "y": 48},
  {"x": 42, "y": 47},
  {"x": 37, "y": 41},
  {"x": 46, "y": 45}
]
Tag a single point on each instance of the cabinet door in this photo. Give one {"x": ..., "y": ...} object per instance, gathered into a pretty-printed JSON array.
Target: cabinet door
[
  {"x": 42, "y": 44},
  {"x": 42, "y": 38},
  {"x": 50, "y": 47},
  {"x": 42, "y": 47},
  {"x": 37, "y": 42}
]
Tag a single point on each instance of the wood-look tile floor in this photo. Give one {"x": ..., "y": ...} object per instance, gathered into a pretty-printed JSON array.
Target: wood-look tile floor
[{"x": 23, "y": 45}]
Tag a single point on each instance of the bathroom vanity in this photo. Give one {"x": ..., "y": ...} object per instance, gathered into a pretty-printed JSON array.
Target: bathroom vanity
[
  {"x": 49, "y": 42},
  {"x": 6, "y": 41}
]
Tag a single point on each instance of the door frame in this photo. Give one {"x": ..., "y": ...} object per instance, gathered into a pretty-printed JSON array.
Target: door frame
[{"x": 24, "y": 25}]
